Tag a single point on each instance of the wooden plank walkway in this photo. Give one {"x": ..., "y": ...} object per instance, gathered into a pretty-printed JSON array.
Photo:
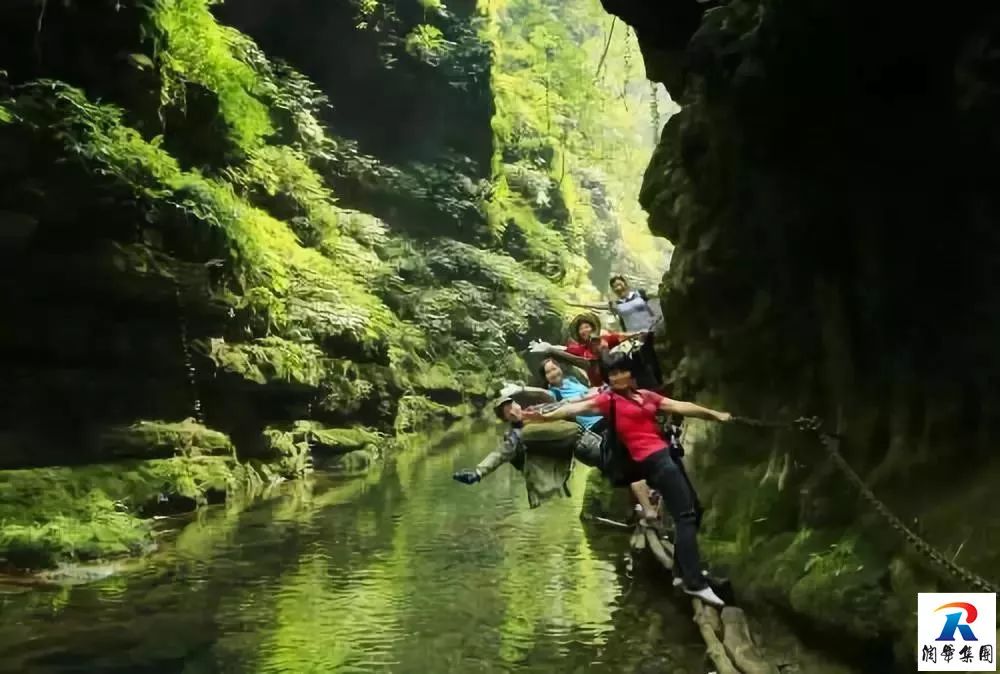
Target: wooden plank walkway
[{"x": 725, "y": 633}]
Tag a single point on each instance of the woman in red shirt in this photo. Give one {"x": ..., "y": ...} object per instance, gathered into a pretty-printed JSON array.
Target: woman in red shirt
[
  {"x": 638, "y": 430},
  {"x": 589, "y": 344}
]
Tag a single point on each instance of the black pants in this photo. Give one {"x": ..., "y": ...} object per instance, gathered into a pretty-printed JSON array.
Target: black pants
[
  {"x": 648, "y": 375},
  {"x": 678, "y": 461},
  {"x": 664, "y": 475}
]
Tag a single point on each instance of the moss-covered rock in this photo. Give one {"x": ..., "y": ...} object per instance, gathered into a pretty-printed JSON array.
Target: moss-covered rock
[
  {"x": 288, "y": 453},
  {"x": 323, "y": 440},
  {"x": 49, "y": 515},
  {"x": 294, "y": 447},
  {"x": 417, "y": 412},
  {"x": 270, "y": 360},
  {"x": 159, "y": 439}
]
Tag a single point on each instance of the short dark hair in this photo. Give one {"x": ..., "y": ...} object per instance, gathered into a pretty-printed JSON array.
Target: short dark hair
[
  {"x": 541, "y": 369},
  {"x": 617, "y": 277},
  {"x": 616, "y": 362}
]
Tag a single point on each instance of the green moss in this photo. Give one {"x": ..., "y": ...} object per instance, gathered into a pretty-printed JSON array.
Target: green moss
[
  {"x": 290, "y": 454},
  {"x": 292, "y": 288},
  {"x": 344, "y": 387},
  {"x": 438, "y": 376},
  {"x": 337, "y": 440},
  {"x": 832, "y": 580},
  {"x": 138, "y": 270},
  {"x": 193, "y": 47},
  {"x": 415, "y": 411},
  {"x": 269, "y": 360},
  {"x": 161, "y": 438},
  {"x": 427, "y": 43},
  {"x": 842, "y": 589},
  {"x": 94, "y": 531},
  {"x": 282, "y": 175},
  {"x": 48, "y": 515},
  {"x": 536, "y": 243}
]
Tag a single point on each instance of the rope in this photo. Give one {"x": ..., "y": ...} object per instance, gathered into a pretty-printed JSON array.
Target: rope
[{"x": 831, "y": 443}]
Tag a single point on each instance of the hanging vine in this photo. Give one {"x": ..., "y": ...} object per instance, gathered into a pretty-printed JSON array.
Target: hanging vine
[
  {"x": 607, "y": 45},
  {"x": 654, "y": 108},
  {"x": 626, "y": 65}
]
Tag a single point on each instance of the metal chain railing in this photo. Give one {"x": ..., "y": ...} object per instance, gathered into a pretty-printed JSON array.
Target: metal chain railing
[{"x": 831, "y": 443}]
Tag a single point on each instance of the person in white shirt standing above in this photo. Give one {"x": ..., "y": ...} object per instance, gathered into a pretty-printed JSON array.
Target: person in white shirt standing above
[{"x": 636, "y": 315}]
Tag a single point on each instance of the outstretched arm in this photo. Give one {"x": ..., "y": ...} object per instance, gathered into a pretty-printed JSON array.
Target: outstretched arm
[
  {"x": 560, "y": 353},
  {"x": 686, "y": 409},
  {"x": 499, "y": 456},
  {"x": 568, "y": 411},
  {"x": 591, "y": 393}
]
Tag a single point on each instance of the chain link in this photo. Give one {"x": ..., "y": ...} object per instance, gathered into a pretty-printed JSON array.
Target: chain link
[{"x": 831, "y": 443}]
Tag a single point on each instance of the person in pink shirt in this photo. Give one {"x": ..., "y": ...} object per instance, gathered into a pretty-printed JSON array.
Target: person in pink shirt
[{"x": 638, "y": 430}]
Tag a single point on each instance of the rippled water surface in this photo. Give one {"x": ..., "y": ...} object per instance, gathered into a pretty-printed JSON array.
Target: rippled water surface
[{"x": 401, "y": 570}]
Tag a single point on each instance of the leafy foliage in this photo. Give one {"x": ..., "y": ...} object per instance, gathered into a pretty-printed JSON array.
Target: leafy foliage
[
  {"x": 569, "y": 103},
  {"x": 290, "y": 287},
  {"x": 427, "y": 43},
  {"x": 193, "y": 47},
  {"x": 270, "y": 359}
]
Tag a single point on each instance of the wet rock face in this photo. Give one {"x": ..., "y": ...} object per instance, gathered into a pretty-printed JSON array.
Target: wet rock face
[{"x": 827, "y": 189}]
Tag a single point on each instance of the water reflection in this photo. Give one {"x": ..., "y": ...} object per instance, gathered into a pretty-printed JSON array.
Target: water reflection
[{"x": 401, "y": 570}]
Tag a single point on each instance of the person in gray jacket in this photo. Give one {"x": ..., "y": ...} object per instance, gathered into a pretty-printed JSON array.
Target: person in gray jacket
[
  {"x": 635, "y": 313},
  {"x": 546, "y": 474}
]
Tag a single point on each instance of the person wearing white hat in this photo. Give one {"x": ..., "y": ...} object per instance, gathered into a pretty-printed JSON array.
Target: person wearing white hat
[{"x": 543, "y": 455}]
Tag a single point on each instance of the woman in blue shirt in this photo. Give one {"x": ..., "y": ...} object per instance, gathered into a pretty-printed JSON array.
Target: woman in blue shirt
[{"x": 570, "y": 388}]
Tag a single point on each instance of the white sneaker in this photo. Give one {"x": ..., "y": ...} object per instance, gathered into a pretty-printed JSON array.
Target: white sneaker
[{"x": 707, "y": 595}]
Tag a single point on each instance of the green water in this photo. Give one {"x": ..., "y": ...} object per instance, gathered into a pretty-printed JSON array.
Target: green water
[{"x": 401, "y": 570}]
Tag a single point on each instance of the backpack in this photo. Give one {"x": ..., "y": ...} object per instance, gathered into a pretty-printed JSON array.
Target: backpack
[
  {"x": 616, "y": 463},
  {"x": 556, "y": 439}
]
